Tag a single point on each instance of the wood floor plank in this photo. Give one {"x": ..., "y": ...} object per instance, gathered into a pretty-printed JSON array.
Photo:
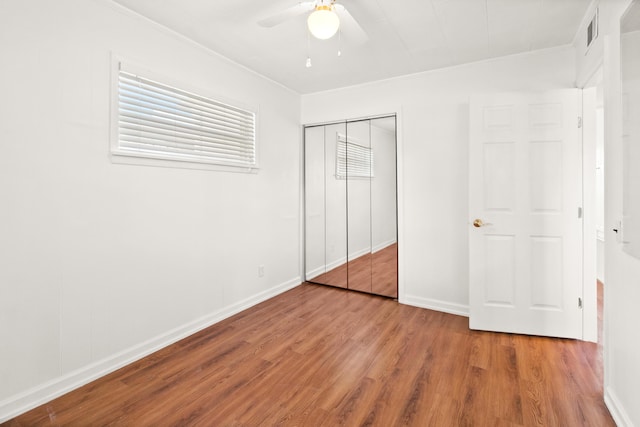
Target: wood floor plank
[
  {"x": 375, "y": 273},
  {"x": 321, "y": 356}
]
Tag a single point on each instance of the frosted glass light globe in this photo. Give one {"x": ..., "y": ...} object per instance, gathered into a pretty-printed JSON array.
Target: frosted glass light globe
[{"x": 323, "y": 22}]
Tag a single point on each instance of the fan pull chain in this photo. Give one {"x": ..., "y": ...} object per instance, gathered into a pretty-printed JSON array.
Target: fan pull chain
[
  {"x": 339, "y": 42},
  {"x": 308, "y": 63}
]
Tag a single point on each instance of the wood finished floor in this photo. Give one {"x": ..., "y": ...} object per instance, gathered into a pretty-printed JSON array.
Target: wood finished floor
[
  {"x": 375, "y": 273},
  {"x": 321, "y": 356}
]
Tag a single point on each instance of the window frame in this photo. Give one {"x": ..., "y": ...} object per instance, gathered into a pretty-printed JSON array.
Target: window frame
[{"x": 121, "y": 156}]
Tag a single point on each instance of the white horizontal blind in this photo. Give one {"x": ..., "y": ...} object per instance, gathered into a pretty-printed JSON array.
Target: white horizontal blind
[
  {"x": 353, "y": 160},
  {"x": 162, "y": 122}
]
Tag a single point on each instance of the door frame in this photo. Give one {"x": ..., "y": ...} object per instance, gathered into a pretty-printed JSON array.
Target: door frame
[{"x": 589, "y": 286}]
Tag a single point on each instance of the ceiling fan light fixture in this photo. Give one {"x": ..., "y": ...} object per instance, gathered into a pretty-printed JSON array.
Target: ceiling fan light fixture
[{"x": 323, "y": 22}]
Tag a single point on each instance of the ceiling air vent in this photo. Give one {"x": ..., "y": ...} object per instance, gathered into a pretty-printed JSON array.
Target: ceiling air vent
[{"x": 592, "y": 29}]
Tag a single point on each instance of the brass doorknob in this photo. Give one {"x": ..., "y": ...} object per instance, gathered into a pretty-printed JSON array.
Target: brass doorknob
[{"x": 478, "y": 223}]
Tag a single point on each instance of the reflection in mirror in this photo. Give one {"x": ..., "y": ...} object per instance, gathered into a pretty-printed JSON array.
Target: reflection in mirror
[
  {"x": 359, "y": 164},
  {"x": 384, "y": 227},
  {"x": 630, "y": 76},
  {"x": 326, "y": 218},
  {"x": 350, "y": 205},
  {"x": 314, "y": 202},
  {"x": 336, "y": 212}
]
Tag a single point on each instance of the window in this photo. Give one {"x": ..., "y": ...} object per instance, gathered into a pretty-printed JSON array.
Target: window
[
  {"x": 158, "y": 121},
  {"x": 353, "y": 160}
]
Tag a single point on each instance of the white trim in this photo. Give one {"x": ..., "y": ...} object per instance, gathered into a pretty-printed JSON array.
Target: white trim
[
  {"x": 337, "y": 263},
  {"x": 359, "y": 253},
  {"x": 181, "y": 37},
  {"x": 302, "y": 220},
  {"x": 310, "y": 275},
  {"x": 588, "y": 138},
  {"x": 163, "y": 163},
  {"x": 616, "y": 409},
  {"x": 322, "y": 268},
  {"x": 437, "y": 305},
  {"x": 325, "y": 268},
  {"x": 400, "y": 200},
  {"x": 418, "y": 74},
  {"x": 383, "y": 245},
  {"x": 36, "y": 396}
]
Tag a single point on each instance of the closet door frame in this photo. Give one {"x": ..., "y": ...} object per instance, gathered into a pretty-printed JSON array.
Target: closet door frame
[{"x": 304, "y": 224}]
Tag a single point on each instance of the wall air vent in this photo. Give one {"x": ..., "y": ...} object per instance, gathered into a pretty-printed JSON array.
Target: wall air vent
[{"x": 592, "y": 29}]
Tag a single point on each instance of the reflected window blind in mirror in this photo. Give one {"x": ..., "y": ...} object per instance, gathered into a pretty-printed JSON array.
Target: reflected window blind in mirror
[{"x": 353, "y": 160}]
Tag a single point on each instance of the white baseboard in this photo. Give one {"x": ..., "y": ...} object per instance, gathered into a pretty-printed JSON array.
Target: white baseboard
[
  {"x": 357, "y": 254},
  {"x": 324, "y": 268},
  {"x": 334, "y": 264},
  {"x": 438, "y": 305},
  {"x": 616, "y": 409},
  {"x": 383, "y": 245},
  {"x": 315, "y": 272},
  {"x": 360, "y": 252},
  {"x": 36, "y": 396}
]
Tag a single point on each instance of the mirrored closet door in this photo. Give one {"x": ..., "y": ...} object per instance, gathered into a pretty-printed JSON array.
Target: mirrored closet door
[{"x": 350, "y": 205}]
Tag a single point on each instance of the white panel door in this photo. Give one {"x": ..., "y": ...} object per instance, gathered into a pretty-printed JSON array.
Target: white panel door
[{"x": 525, "y": 198}]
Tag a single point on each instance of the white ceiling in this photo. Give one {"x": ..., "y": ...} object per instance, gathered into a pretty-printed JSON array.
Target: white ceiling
[{"x": 405, "y": 36}]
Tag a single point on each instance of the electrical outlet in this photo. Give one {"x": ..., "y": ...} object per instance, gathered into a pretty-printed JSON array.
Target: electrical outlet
[{"x": 261, "y": 271}]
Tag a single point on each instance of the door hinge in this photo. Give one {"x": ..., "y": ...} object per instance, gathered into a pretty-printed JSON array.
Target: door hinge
[
  {"x": 579, "y": 122},
  {"x": 579, "y": 212},
  {"x": 579, "y": 302}
]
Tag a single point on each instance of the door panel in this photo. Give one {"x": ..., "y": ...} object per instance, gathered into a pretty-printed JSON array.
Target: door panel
[
  {"x": 526, "y": 186},
  {"x": 384, "y": 226},
  {"x": 499, "y": 176},
  {"x": 500, "y": 270},
  {"x": 335, "y": 212},
  {"x": 546, "y": 273},
  {"x": 546, "y": 172},
  {"x": 315, "y": 264},
  {"x": 358, "y": 148},
  {"x": 325, "y": 209}
]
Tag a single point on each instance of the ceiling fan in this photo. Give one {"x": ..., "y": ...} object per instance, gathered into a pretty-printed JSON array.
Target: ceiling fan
[{"x": 324, "y": 19}]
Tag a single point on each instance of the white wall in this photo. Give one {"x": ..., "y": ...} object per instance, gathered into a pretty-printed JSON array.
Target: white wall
[
  {"x": 433, "y": 154},
  {"x": 622, "y": 290},
  {"x": 600, "y": 190},
  {"x": 101, "y": 262},
  {"x": 630, "y": 64}
]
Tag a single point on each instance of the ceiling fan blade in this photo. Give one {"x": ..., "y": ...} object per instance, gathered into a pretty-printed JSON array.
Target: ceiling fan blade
[
  {"x": 349, "y": 27},
  {"x": 291, "y": 12}
]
